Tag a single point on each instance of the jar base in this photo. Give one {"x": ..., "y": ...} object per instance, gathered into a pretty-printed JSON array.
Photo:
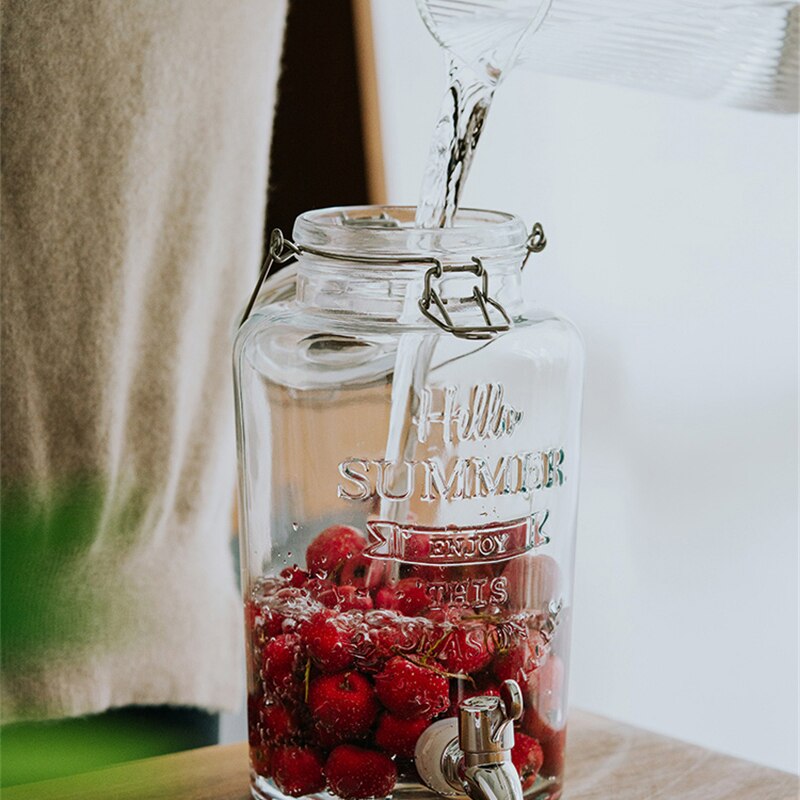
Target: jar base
[{"x": 262, "y": 789}]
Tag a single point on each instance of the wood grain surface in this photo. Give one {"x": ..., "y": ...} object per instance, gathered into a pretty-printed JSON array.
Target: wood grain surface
[
  {"x": 370, "y": 107},
  {"x": 613, "y": 761},
  {"x": 605, "y": 760}
]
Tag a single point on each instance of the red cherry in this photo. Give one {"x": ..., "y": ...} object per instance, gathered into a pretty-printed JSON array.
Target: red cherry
[
  {"x": 410, "y": 690},
  {"x": 263, "y": 622},
  {"x": 317, "y": 587},
  {"x": 346, "y": 598},
  {"x": 426, "y": 572},
  {"x": 282, "y": 663},
  {"x": 298, "y": 770},
  {"x": 554, "y": 753},
  {"x": 331, "y": 549},
  {"x": 445, "y": 615},
  {"x": 279, "y": 724},
  {"x": 467, "y": 649},
  {"x": 385, "y": 597},
  {"x": 273, "y": 623},
  {"x": 356, "y": 774},
  {"x": 329, "y": 645},
  {"x": 254, "y": 733},
  {"x": 411, "y": 597},
  {"x": 527, "y": 757},
  {"x": 354, "y": 571},
  {"x": 536, "y": 726},
  {"x": 551, "y": 739},
  {"x": 261, "y": 760},
  {"x": 547, "y": 685},
  {"x": 324, "y": 738},
  {"x": 344, "y": 704},
  {"x": 389, "y": 638},
  {"x": 294, "y": 576},
  {"x": 398, "y": 737},
  {"x": 418, "y": 549},
  {"x": 518, "y": 663}
]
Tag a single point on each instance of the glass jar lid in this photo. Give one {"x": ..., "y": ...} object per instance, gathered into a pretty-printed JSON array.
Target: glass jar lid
[
  {"x": 374, "y": 261},
  {"x": 389, "y": 232}
]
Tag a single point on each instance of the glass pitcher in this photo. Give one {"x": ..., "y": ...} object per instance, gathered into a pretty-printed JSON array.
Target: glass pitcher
[
  {"x": 742, "y": 53},
  {"x": 408, "y": 460}
]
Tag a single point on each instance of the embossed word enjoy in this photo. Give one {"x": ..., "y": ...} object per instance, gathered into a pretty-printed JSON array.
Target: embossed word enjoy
[{"x": 456, "y": 544}]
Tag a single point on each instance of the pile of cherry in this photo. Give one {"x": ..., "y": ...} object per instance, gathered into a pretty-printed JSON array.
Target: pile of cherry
[{"x": 351, "y": 666}]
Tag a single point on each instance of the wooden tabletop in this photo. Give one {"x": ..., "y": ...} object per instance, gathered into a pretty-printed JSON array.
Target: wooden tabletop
[{"x": 605, "y": 760}]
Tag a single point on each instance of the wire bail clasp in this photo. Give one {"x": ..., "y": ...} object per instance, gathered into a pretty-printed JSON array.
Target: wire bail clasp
[
  {"x": 280, "y": 251},
  {"x": 535, "y": 243},
  {"x": 480, "y": 295}
]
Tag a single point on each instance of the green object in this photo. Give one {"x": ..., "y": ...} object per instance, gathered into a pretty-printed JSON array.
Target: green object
[{"x": 36, "y": 751}]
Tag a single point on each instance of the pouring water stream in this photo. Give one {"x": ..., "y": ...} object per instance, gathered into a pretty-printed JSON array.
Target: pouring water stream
[
  {"x": 463, "y": 112},
  {"x": 743, "y": 53}
]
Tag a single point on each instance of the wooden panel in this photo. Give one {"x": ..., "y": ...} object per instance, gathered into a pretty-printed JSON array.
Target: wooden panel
[
  {"x": 370, "y": 108},
  {"x": 605, "y": 761},
  {"x": 317, "y": 157}
]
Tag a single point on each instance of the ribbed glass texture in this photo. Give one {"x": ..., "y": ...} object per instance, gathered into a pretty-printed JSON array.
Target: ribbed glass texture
[{"x": 741, "y": 53}]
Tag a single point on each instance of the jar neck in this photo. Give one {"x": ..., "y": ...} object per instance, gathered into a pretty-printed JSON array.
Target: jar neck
[{"x": 391, "y": 292}]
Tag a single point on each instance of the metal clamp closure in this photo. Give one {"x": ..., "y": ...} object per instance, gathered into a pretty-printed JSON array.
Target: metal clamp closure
[
  {"x": 535, "y": 243},
  {"x": 280, "y": 250},
  {"x": 480, "y": 295}
]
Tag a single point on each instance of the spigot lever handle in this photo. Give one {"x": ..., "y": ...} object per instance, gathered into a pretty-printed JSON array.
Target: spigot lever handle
[
  {"x": 477, "y": 761},
  {"x": 512, "y": 707}
]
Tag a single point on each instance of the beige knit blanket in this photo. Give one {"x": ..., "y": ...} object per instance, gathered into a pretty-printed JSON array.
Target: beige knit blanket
[{"x": 135, "y": 140}]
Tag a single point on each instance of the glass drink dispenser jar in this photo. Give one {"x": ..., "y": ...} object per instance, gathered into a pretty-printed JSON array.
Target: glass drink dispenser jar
[{"x": 408, "y": 457}]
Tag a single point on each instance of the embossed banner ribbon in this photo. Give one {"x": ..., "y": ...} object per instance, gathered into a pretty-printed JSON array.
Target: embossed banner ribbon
[{"x": 419, "y": 544}]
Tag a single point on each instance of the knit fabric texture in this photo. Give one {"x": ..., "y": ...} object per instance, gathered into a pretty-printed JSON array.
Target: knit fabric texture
[{"x": 135, "y": 144}]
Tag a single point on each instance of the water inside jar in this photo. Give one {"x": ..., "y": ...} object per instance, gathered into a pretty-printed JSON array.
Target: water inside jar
[{"x": 364, "y": 655}]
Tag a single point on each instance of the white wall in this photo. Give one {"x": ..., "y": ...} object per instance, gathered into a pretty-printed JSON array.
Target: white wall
[{"x": 673, "y": 245}]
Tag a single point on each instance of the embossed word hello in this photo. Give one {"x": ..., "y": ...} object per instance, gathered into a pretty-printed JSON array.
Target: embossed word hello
[{"x": 485, "y": 416}]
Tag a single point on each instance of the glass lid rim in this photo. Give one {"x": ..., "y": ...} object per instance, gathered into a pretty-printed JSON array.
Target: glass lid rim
[{"x": 325, "y": 230}]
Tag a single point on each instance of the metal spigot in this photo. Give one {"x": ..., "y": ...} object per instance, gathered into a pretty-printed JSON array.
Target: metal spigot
[{"x": 471, "y": 756}]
